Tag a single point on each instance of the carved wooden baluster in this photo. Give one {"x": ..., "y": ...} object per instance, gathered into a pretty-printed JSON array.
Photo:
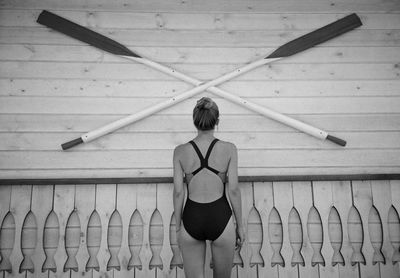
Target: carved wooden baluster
[
  {"x": 356, "y": 236},
  {"x": 383, "y": 200},
  {"x": 126, "y": 204},
  {"x": 275, "y": 237},
  {"x": 7, "y": 239},
  {"x": 394, "y": 233},
  {"x": 376, "y": 235},
  {"x": 28, "y": 242},
  {"x": 303, "y": 200},
  {"x": 176, "y": 260},
  {"x": 156, "y": 239},
  {"x": 237, "y": 258},
  {"x": 296, "y": 237},
  {"x": 135, "y": 240},
  {"x": 315, "y": 235},
  {"x": 264, "y": 202},
  {"x": 255, "y": 237},
  {"x": 146, "y": 202},
  {"x": 51, "y": 237},
  {"x": 336, "y": 236},
  {"x": 72, "y": 240},
  {"x": 114, "y": 240},
  {"x": 93, "y": 240}
]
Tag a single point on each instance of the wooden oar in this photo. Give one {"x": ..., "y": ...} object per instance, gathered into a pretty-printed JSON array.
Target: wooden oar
[{"x": 302, "y": 43}]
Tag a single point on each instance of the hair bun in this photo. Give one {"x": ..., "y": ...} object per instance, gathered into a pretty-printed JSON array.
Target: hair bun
[{"x": 205, "y": 103}]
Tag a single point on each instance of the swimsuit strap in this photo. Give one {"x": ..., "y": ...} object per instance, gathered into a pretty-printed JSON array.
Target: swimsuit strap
[{"x": 204, "y": 161}]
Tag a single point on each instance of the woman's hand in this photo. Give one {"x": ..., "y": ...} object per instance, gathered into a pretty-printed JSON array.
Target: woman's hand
[
  {"x": 178, "y": 235},
  {"x": 240, "y": 237}
]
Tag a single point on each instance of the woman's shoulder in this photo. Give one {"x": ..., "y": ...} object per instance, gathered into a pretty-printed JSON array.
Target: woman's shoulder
[
  {"x": 228, "y": 146},
  {"x": 181, "y": 148}
]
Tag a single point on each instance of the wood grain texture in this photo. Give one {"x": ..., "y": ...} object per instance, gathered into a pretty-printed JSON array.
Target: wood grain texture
[
  {"x": 53, "y": 88},
  {"x": 212, "y": 6},
  {"x": 264, "y": 196}
]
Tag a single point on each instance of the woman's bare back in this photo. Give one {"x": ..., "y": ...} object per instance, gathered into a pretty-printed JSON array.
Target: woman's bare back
[{"x": 205, "y": 186}]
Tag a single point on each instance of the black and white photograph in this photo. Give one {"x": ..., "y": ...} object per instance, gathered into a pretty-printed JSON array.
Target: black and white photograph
[{"x": 200, "y": 138}]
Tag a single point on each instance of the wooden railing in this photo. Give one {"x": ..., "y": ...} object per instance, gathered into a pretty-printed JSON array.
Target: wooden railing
[{"x": 346, "y": 228}]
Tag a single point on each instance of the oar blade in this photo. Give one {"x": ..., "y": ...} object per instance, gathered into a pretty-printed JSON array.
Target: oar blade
[
  {"x": 318, "y": 36},
  {"x": 83, "y": 34}
]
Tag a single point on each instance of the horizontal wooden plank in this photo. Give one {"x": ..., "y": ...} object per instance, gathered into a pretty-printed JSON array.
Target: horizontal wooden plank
[
  {"x": 145, "y": 159},
  {"x": 193, "y": 55},
  {"x": 205, "y": 38},
  {"x": 168, "y": 180},
  {"x": 242, "y": 139},
  {"x": 183, "y": 123},
  {"x": 123, "y": 106},
  {"x": 209, "y": 5},
  {"x": 275, "y": 71},
  {"x": 163, "y": 172},
  {"x": 162, "y": 88},
  {"x": 198, "y": 21}
]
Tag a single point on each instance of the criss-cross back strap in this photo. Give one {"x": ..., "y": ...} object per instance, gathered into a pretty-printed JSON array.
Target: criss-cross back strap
[{"x": 204, "y": 161}]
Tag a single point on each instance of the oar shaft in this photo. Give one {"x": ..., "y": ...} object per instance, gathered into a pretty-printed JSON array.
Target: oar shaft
[
  {"x": 306, "y": 128},
  {"x": 92, "y": 135}
]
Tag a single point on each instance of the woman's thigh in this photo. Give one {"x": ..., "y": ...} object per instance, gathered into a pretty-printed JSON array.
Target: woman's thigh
[
  {"x": 223, "y": 249},
  {"x": 193, "y": 254}
]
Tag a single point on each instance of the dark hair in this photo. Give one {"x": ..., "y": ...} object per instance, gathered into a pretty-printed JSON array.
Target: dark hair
[{"x": 205, "y": 114}]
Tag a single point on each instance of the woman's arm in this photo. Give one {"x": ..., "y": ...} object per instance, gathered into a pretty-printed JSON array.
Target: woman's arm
[
  {"x": 234, "y": 193},
  {"x": 179, "y": 192}
]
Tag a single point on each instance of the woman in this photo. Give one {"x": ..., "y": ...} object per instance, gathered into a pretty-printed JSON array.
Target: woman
[{"x": 204, "y": 164}]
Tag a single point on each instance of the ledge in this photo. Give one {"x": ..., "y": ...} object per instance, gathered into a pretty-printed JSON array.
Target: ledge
[{"x": 138, "y": 180}]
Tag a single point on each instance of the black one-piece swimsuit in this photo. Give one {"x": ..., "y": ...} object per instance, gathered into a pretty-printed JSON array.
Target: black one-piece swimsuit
[{"x": 206, "y": 221}]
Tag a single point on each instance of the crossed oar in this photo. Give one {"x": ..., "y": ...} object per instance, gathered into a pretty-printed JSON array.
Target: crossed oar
[{"x": 309, "y": 40}]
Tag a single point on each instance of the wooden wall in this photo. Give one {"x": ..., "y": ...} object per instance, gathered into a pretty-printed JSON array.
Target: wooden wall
[
  {"x": 54, "y": 88},
  {"x": 309, "y": 229}
]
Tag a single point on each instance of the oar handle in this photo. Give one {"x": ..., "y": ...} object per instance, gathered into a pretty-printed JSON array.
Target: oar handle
[
  {"x": 336, "y": 140},
  {"x": 72, "y": 143}
]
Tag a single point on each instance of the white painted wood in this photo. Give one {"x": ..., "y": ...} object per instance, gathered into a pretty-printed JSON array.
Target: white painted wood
[
  {"x": 303, "y": 201},
  {"x": 313, "y": 131},
  {"x": 92, "y": 160},
  {"x": 166, "y": 208},
  {"x": 381, "y": 194},
  {"x": 167, "y": 172},
  {"x": 55, "y": 87},
  {"x": 42, "y": 204},
  {"x": 264, "y": 202},
  {"x": 124, "y": 106},
  {"x": 197, "y": 21},
  {"x": 191, "y": 55},
  {"x": 126, "y": 205},
  {"x": 362, "y": 194},
  {"x": 203, "y": 38},
  {"x": 64, "y": 202},
  {"x": 356, "y": 140},
  {"x": 146, "y": 203},
  {"x": 395, "y": 189},
  {"x": 342, "y": 200},
  {"x": 5, "y": 201},
  {"x": 105, "y": 206},
  {"x": 85, "y": 202},
  {"x": 20, "y": 206},
  {"x": 164, "y": 89},
  {"x": 283, "y": 199},
  {"x": 323, "y": 201},
  {"x": 246, "y": 190},
  {"x": 182, "y": 125},
  {"x": 211, "y": 6},
  {"x": 203, "y": 72}
]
